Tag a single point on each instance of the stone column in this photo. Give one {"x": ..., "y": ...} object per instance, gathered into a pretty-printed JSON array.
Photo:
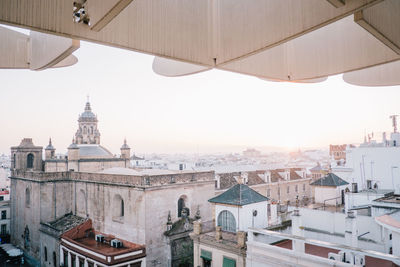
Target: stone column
[
  {"x": 218, "y": 233},
  {"x": 69, "y": 259},
  {"x": 62, "y": 256},
  {"x": 298, "y": 230},
  {"x": 197, "y": 227},
  {"x": 241, "y": 239}
]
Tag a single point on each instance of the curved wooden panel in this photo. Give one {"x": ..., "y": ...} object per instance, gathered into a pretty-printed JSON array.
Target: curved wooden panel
[
  {"x": 383, "y": 75},
  {"x": 338, "y": 47},
  {"x": 174, "y": 68},
  {"x": 48, "y": 50},
  {"x": 317, "y": 80},
  {"x": 13, "y": 49},
  {"x": 67, "y": 62}
]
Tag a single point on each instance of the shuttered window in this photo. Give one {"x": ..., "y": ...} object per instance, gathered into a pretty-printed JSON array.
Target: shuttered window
[
  {"x": 227, "y": 221},
  {"x": 228, "y": 262}
]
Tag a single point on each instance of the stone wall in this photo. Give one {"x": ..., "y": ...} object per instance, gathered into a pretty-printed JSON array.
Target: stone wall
[{"x": 147, "y": 201}]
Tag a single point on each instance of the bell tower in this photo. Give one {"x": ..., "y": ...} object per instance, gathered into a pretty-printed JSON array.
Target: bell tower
[
  {"x": 26, "y": 156},
  {"x": 87, "y": 132}
]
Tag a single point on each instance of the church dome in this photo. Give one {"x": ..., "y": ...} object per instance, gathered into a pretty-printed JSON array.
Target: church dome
[{"x": 88, "y": 115}]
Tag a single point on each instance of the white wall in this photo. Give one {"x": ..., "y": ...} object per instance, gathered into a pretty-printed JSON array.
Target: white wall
[
  {"x": 328, "y": 192},
  {"x": 334, "y": 223},
  {"x": 244, "y": 215},
  {"x": 380, "y": 164}
]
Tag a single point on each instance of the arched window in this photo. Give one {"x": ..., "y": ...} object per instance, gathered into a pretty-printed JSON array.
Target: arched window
[
  {"x": 27, "y": 197},
  {"x": 15, "y": 161},
  {"x": 29, "y": 163},
  {"x": 181, "y": 205},
  {"x": 45, "y": 254},
  {"x": 91, "y": 129},
  {"x": 118, "y": 206},
  {"x": 81, "y": 203},
  {"x": 27, "y": 240},
  {"x": 54, "y": 259},
  {"x": 84, "y": 130},
  {"x": 227, "y": 221}
]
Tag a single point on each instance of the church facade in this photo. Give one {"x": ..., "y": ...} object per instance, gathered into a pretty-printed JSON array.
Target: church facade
[{"x": 91, "y": 183}]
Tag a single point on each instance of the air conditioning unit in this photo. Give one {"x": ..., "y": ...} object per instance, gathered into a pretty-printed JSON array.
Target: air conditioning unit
[
  {"x": 115, "y": 243},
  {"x": 100, "y": 238},
  {"x": 336, "y": 257},
  {"x": 359, "y": 260}
]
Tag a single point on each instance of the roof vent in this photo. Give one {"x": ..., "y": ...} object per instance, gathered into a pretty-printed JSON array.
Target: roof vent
[
  {"x": 100, "y": 238},
  {"x": 115, "y": 243}
]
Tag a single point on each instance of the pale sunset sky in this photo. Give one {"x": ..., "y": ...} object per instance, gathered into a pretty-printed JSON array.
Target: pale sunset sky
[{"x": 214, "y": 111}]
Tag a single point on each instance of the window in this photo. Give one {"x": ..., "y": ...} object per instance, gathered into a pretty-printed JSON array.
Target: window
[
  {"x": 287, "y": 189},
  {"x": 54, "y": 259},
  {"x": 15, "y": 161},
  {"x": 27, "y": 197},
  {"x": 45, "y": 254},
  {"x": 279, "y": 191},
  {"x": 118, "y": 207},
  {"x": 73, "y": 260},
  {"x": 81, "y": 262},
  {"x": 390, "y": 237},
  {"x": 3, "y": 214},
  {"x": 228, "y": 262},
  {"x": 1, "y": 198},
  {"x": 4, "y": 229},
  {"x": 268, "y": 192},
  {"x": 29, "y": 160},
  {"x": 227, "y": 221},
  {"x": 296, "y": 188},
  {"x": 65, "y": 258},
  {"x": 181, "y": 205},
  {"x": 90, "y": 264},
  {"x": 304, "y": 187},
  {"x": 207, "y": 257}
]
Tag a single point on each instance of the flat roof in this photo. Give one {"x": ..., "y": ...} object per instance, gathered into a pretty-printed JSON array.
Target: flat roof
[
  {"x": 323, "y": 252},
  {"x": 82, "y": 240},
  {"x": 395, "y": 199}
]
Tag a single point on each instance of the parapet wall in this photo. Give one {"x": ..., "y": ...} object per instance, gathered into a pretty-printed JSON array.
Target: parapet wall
[{"x": 128, "y": 180}]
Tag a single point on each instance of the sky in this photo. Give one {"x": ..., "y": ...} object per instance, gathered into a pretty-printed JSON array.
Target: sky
[{"x": 209, "y": 112}]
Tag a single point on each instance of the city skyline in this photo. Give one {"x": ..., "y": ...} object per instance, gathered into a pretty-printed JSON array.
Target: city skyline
[{"x": 214, "y": 111}]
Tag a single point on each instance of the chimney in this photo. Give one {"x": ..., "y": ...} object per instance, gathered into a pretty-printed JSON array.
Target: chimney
[
  {"x": 218, "y": 233},
  {"x": 274, "y": 213},
  {"x": 197, "y": 227},
  {"x": 298, "y": 230},
  {"x": 267, "y": 177},
  {"x": 287, "y": 174},
  {"x": 351, "y": 233},
  {"x": 241, "y": 239}
]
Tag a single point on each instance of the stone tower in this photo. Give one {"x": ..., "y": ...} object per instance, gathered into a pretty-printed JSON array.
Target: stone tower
[
  {"x": 87, "y": 132},
  {"x": 50, "y": 151},
  {"x": 27, "y": 156},
  {"x": 125, "y": 151}
]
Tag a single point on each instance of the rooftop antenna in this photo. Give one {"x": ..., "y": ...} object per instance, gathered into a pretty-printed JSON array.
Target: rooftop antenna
[{"x": 394, "y": 122}]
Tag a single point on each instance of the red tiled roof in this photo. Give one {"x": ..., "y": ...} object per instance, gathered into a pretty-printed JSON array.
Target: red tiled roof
[{"x": 83, "y": 235}]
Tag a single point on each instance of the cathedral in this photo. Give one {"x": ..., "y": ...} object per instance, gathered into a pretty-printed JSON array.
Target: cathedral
[{"x": 50, "y": 195}]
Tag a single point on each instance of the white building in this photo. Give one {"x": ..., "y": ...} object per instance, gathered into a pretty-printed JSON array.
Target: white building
[
  {"x": 318, "y": 239},
  {"x": 236, "y": 210},
  {"x": 329, "y": 190}
]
